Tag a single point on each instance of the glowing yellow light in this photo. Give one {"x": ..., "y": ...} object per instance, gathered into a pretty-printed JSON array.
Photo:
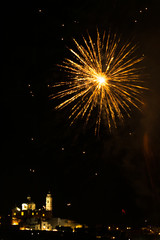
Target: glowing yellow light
[
  {"x": 15, "y": 222},
  {"x": 103, "y": 77},
  {"x": 79, "y": 226},
  {"x": 22, "y": 213},
  {"x": 22, "y": 228}
]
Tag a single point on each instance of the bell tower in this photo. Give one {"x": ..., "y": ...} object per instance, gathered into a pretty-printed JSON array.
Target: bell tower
[{"x": 49, "y": 202}]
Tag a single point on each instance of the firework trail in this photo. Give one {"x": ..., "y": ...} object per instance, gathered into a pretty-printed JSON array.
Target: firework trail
[{"x": 103, "y": 77}]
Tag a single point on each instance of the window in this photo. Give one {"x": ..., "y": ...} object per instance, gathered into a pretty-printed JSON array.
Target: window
[{"x": 22, "y": 213}]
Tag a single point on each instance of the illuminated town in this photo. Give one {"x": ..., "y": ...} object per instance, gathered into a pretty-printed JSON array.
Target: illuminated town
[
  {"x": 27, "y": 217},
  {"x": 30, "y": 221}
]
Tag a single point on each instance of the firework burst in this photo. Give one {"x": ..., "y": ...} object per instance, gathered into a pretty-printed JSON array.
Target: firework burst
[{"x": 103, "y": 77}]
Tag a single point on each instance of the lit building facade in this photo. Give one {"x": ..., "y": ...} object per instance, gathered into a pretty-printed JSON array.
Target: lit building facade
[
  {"x": 28, "y": 215},
  {"x": 29, "y": 218}
]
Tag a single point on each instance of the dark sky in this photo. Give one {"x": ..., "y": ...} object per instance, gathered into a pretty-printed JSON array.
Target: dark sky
[{"x": 99, "y": 176}]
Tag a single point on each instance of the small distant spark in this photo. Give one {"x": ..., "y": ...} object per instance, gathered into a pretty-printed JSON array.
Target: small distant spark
[
  {"x": 103, "y": 78},
  {"x": 68, "y": 204}
]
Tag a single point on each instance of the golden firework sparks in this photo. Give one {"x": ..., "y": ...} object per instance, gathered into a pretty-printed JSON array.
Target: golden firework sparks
[{"x": 103, "y": 77}]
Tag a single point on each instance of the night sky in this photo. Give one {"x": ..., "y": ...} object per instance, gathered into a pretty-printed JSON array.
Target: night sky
[{"x": 98, "y": 175}]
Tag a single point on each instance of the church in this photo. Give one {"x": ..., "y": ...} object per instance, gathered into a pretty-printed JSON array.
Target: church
[{"x": 28, "y": 217}]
